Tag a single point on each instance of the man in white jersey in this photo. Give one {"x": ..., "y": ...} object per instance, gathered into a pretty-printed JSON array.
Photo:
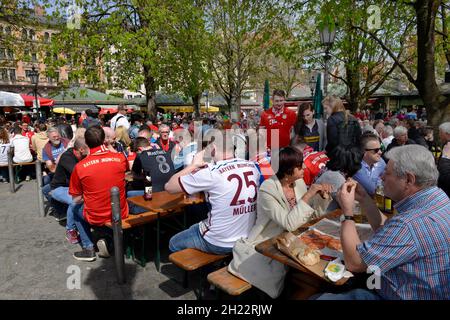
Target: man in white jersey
[{"x": 230, "y": 186}]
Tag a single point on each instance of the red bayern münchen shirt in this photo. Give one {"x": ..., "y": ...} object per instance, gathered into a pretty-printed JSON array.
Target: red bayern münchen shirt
[
  {"x": 283, "y": 121},
  {"x": 93, "y": 177}
]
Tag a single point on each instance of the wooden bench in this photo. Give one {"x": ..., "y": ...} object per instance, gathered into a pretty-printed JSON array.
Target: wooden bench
[
  {"x": 135, "y": 220},
  {"x": 192, "y": 259},
  {"x": 228, "y": 282}
]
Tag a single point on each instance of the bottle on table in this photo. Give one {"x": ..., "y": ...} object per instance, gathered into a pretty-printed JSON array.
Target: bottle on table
[{"x": 148, "y": 189}]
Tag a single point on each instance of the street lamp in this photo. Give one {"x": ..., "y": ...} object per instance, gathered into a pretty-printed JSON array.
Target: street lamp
[
  {"x": 327, "y": 35},
  {"x": 312, "y": 83},
  {"x": 206, "y": 94},
  {"x": 34, "y": 77}
]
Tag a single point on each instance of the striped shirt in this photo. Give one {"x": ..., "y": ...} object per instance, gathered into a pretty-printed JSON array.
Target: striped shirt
[{"x": 412, "y": 249}]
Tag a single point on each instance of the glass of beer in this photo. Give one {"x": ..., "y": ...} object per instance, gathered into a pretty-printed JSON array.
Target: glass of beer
[{"x": 357, "y": 214}]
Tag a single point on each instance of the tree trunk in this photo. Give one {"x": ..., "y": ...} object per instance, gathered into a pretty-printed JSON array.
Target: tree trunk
[
  {"x": 196, "y": 103},
  {"x": 150, "y": 90},
  {"x": 353, "y": 85},
  {"x": 426, "y": 11},
  {"x": 235, "y": 105}
]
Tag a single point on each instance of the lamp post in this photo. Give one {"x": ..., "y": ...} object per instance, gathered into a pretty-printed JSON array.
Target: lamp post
[
  {"x": 312, "y": 83},
  {"x": 34, "y": 77},
  {"x": 327, "y": 34},
  {"x": 206, "y": 94}
]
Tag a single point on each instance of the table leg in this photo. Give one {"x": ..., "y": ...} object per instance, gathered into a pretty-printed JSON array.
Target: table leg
[{"x": 158, "y": 254}]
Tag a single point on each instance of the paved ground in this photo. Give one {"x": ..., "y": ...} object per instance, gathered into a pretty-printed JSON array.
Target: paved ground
[{"x": 36, "y": 261}]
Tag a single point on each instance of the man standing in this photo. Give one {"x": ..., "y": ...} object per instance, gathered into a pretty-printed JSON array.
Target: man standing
[
  {"x": 278, "y": 118},
  {"x": 120, "y": 118},
  {"x": 411, "y": 249},
  {"x": 231, "y": 186},
  {"x": 444, "y": 161},
  {"x": 61, "y": 179},
  {"x": 372, "y": 165},
  {"x": 163, "y": 141},
  {"x": 91, "y": 183}
]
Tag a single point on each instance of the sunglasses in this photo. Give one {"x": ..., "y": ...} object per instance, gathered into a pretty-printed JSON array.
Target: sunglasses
[{"x": 375, "y": 150}]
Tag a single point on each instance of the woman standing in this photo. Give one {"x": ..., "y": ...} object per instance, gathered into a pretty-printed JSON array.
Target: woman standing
[
  {"x": 283, "y": 203},
  {"x": 312, "y": 130},
  {"x": 342, "y": 128}
]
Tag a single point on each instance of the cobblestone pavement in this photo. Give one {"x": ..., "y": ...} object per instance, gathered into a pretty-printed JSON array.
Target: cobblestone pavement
[{"x": 36, "y": 261}]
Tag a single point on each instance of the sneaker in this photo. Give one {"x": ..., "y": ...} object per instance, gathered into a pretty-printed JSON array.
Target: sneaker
[
  {"x": 72, "y": 236},
  {"x": 28, "y": 178},
  {"x": 103, "y": 248},
  {"x": 85, "y": 255}
]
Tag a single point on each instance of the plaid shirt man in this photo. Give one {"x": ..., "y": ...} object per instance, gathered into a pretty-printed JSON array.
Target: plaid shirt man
[{"x": 412, "y": 249}]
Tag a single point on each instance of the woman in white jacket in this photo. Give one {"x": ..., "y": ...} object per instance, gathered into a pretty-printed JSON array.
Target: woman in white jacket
[{"x": 283, "y": 203}]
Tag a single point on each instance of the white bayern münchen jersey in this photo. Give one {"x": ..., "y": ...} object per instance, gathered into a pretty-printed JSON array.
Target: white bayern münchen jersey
[{"x": 231, "y": 187}]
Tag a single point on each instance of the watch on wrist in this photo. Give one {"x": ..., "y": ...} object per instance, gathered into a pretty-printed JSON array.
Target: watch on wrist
[{"x": 344, "y": 218}]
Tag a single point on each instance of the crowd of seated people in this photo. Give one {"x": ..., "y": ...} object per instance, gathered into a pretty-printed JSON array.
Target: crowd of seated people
[{"x": 325, "y": 167}]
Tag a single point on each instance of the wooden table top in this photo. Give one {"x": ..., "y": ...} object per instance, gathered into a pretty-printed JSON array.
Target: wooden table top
[
  {"x": 269, "y": 249},
  {"x": 163, "y": 201}
]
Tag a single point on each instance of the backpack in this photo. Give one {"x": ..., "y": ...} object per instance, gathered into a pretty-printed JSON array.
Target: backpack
[{"x": 348, "y": 133}]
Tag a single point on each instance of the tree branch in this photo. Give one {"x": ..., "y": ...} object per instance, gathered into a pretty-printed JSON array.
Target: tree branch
[{"x": 392, "y": 55}]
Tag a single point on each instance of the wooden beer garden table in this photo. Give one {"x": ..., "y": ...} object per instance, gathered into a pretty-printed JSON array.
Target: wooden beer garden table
[
  {"x": 269, "y": 249},
  {"x": 162, "y": 204}
]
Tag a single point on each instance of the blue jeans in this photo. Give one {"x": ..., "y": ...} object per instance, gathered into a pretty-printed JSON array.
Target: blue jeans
[
  {"x": 134, "y": 209},
  {"x": 83, "y": 227},
  {"x": 191, "y": 238},
  {"x": 356, "y": 294},
  {"x": 61, "y": 194}
]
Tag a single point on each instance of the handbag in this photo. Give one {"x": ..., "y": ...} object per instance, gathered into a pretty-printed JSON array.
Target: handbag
[{"x": 262, "y": 272}]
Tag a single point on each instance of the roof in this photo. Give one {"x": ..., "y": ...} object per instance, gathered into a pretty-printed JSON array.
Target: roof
[{"x": 80, "y": 95}]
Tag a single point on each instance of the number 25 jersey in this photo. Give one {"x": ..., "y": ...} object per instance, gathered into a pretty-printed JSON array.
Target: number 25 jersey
[{"x": 231, "y": 187}]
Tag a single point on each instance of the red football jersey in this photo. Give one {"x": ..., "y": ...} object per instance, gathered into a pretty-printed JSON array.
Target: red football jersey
[
  {"x": 283, "y": 121},
  {"x": 314, "y": 162},
  {"x": 93, "y": 177}
]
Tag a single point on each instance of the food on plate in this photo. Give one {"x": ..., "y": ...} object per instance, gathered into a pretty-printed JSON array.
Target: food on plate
[
  {"x": 318, "y": 241},
  {"x": 289, "y": 244},
  {"x": 334, "y": 244}
]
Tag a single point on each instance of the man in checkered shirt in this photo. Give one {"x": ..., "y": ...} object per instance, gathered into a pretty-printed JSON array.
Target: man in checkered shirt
[{"x": 412, "y": 249}]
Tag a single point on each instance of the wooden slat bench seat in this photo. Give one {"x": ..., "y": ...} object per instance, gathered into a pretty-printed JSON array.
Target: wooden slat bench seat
[
  {"x": 192, "y": 259},
  {"x": 228, "y": 282},
  {"x": 135, "y": 220},
  {"x": 20, "y": 164}
]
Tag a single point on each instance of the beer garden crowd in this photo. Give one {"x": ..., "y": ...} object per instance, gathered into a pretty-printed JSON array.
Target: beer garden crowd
[{"x": 350, "y": 158}]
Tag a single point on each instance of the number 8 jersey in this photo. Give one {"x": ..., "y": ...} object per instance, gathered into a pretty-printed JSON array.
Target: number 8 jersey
[{"x": 231, "y": 187}]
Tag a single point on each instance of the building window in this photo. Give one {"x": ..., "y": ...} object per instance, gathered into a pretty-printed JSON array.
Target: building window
[
  {"x": 24, "y": 34},
  {"x": 10, "y": 54},
  {"x": 3, "y": 74},
  {"x": 55, "y": 79},
  {"x": 27, "y": 75},
  {"x": 8, "y": 31},
  {"x": 47, "y": 37},
  {"x": 32, "y": 35},
  {"x": 2, "y": 53},
  {"x": 12, "y": 75},
  {"x": 34, "y": 57}
]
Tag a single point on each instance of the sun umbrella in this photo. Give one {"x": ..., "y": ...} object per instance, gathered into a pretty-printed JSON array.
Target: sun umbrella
[
  {"x": 63, "y": 110},
  {"x": 317, "y": 101},
  {"x": 10, "y": 99},
  {"x": 266, "y": 101}
]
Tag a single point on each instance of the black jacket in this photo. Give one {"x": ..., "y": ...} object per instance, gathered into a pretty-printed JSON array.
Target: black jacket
[
  {"x": 444, "y": 175},
  {"x": 333, "y": 123}
]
